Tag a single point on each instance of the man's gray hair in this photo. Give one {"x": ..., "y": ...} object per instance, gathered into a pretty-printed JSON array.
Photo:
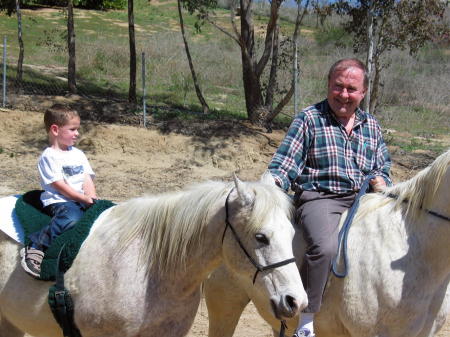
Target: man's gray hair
[{"x": 347, "y": 63}]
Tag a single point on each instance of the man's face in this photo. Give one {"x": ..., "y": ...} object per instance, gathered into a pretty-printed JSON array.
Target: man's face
[{"x": 345, "y": 91}]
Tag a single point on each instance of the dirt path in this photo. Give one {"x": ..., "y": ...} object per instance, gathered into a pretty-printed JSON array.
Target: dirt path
[{"x": 130, "y": 161}]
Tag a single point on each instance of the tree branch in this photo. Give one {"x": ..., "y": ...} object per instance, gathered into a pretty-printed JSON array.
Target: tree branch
[
  {"x": 234, "y": 38},
  {"x": 271, "y": 116},
  {"x": 268, "y": 44}
]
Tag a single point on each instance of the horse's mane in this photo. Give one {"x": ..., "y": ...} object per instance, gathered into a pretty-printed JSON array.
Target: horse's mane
[
  {"x": 170, "y": 224},
  {"x": 416, "y": 193}
]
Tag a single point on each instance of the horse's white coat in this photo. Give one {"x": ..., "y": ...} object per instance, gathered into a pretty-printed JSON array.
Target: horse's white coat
[
  {"x": 399, "y": 268},
  {"x": 124, "y": 283}
]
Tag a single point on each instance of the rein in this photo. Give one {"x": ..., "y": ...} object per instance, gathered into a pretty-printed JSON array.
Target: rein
[
  {"x": 343, "y": 234},
  {"x": 346, "y": 226},
  {"x": 259, "y": 268}
]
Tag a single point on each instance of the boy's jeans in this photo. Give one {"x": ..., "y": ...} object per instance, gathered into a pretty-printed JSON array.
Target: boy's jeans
[{"x": 65, "y": 215}]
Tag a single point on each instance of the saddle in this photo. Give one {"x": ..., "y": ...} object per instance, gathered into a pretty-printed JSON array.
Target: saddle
[{"x": 32, "y": 216}]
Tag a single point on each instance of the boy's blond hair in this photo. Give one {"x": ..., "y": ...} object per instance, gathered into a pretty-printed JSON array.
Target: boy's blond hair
[{"x": 59, "y": 114}]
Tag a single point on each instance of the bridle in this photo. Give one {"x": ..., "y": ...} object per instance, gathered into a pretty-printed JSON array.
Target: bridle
[{"x": 259, "y": 268}]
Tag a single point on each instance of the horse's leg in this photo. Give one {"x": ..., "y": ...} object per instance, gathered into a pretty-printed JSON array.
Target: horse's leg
[
  {"x": 9, "y": 330},
  {"x": 225, "y": 302}
]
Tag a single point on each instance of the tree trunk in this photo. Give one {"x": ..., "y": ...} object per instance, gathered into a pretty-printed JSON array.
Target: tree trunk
[
  {"x": 252, "y": 86},
  {"x": 21, "y": 48},
  {"x": 272, "y": 84},
  {"x": 260, "y": 111},
  {"x": 71, "y": 47},
  {"x": 369, "y": 62},
  {"x": 376, "y": 87},
  {"x": 200, "y": 97},
  {"x": 287, "y": 97},
  {"x": 132, "y": 87},
  {"x": 378, "y": 49}
]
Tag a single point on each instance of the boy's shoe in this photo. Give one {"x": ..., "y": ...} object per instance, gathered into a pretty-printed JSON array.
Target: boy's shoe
[
  {"x": 31, "y": 261},
  {"x": 304, "y": 332}
]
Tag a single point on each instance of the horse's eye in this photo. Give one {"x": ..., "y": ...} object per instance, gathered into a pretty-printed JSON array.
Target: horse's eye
[{"x": 261, "y": 238}]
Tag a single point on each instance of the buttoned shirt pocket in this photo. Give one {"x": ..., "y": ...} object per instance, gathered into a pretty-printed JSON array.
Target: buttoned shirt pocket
[{"x": 365, "y": 156}]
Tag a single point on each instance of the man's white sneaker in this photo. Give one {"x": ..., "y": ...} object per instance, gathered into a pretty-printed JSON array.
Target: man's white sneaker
[{"x": 305, "y": 332}]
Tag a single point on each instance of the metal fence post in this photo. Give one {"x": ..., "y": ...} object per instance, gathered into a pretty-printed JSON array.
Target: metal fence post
[
  {"x": 143, "y": 90},
  {"x": 4, "y": 71}
]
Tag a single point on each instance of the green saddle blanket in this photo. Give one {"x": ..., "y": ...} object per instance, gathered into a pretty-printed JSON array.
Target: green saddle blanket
[{"x": 33, "y": 219}]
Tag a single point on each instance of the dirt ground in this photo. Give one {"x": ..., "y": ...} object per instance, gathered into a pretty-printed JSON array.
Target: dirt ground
[{"x": 130, "y": 161}]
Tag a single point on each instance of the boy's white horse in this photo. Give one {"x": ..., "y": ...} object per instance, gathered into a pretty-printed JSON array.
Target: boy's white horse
[
  {"x": 399, "y": 268},
  {"x": 139, "y": 271}
]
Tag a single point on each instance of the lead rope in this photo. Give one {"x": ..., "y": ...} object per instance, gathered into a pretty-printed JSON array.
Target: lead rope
[
  {"x": 342, "y": 238},
  {"x": 282, "y": 328}
]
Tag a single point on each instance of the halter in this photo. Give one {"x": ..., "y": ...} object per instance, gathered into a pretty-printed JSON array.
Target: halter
[
  {"x": 258, "y": 267},
  {"x": 436, "y": 214},
  {"x": 443, "y": 217}
]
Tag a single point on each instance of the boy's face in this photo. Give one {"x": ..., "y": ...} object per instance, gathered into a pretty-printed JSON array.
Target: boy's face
[{"x": 66, "y": 135}]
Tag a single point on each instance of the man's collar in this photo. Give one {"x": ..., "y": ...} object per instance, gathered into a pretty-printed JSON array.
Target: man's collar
[{"x": 360, "y": 115}]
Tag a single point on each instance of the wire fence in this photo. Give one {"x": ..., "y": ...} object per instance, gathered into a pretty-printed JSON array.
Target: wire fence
[
  {"x": 101, "y": 83},
  {"x": 50, "y": 79},
  {"x": 102, "y": 73}
]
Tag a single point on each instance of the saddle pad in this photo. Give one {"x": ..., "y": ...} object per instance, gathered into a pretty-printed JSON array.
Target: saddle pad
[
  {"x": 32, "y": 220},
  {"x": 10, "y": 224}
]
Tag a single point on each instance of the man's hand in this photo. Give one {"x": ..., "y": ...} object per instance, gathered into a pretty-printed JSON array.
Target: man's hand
[{"x": 378, "y": 184}]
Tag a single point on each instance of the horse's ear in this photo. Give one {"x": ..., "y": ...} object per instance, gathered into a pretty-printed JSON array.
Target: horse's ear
[
  {"x": 244, "y": 195},
  {"x": 267, "y": 178}
]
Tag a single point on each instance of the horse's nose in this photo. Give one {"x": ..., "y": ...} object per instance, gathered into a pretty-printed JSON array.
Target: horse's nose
[
  {"x": 291, "y": 305},
  {"x": 287, "y": 306}
]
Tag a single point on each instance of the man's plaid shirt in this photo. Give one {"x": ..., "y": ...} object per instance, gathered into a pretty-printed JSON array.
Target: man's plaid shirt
[{"x": 318, "y": 155}]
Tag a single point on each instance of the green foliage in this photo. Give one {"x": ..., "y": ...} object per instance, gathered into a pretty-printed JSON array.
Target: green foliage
[
  {"x": 103, "y": 4},
  {"x": 9, "y": 6},
  {"x": 414, "y": 144},
  {"x": 400, "y": 24},
  {"x": 334, "y": 35},
  {"x": 88, "y": 4},
  {"x": 200, "y": 7},
  {"x": 54, "y": 39}
]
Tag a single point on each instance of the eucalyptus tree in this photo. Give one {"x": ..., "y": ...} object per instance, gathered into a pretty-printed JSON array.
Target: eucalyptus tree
[
  {"x": 260, "y": 68},
  {"x": 379, "y": 26}
]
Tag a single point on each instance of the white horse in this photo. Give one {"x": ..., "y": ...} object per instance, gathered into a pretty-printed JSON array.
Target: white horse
[
  {"x": 139, "y": 271},
  {"x": 399, "y": 268}
]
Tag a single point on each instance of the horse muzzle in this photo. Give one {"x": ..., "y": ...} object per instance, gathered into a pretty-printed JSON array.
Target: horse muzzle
[{"x": 286, "y": 306}]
